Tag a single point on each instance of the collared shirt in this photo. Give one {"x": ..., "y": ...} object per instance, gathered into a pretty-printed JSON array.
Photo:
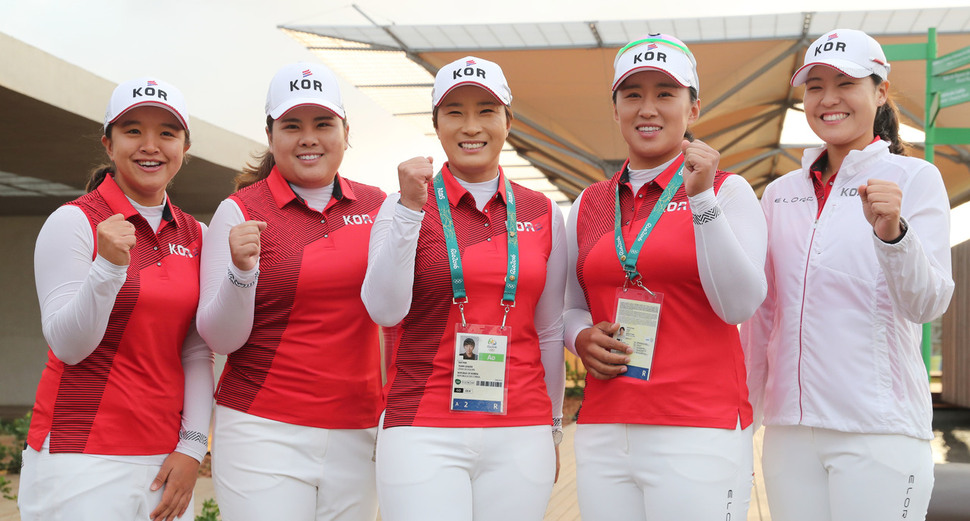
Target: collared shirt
[
  {"x": 115, "y": 389},
  {"x": 312, "y": 356},
  {"x": 697, "y": 376},
  {"x": 419, "y": 380}
]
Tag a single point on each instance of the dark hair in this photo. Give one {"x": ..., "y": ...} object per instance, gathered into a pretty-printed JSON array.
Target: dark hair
[
  {"x": 469, "y": 341},
  {"x": 886, "y": 124},
  {"x": 98, "y": 173},
  {"x": 263, "y": 163},
  {"x": 258, "y": 169},
  {"x": 434, "y": 115},
  {"x": 688, "y": 135}
]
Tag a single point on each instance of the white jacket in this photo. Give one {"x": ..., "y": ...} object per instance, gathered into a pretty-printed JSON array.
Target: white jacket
[{"x": 836, "y": 343}]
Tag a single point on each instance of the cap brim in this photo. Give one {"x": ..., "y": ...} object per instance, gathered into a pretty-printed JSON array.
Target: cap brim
[
  {"x": 291, "y": 104},
  {"x": 680, "y": 81},
  {"x": 436, "y": 102},
  {"x": 158, "y": 104},
  {"x": 844, "y": 66}
]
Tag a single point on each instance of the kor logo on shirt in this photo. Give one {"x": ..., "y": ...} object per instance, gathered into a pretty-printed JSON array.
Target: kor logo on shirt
[
  {"x": 527, "y": 226},
  {"x": 178, "y": 249},
  {"x": 361, "y": 218}
]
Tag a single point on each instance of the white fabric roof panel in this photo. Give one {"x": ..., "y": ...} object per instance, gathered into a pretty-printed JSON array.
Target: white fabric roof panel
[{"x": 564, "y": 117}]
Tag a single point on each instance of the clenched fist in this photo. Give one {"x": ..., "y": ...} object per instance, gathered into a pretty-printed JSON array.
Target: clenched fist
[
  {"x": 116, "y": 238},
  {"x": 700, "y": 163},
  {"x": 881, "y": 204},
  {"x": 414, "y": 175},
  {"x": 244, "y": 244}
]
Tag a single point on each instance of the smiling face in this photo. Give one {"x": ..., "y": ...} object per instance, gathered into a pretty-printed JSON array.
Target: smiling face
[
  {"x": 472, "y": 127},
  {"x": 841, "y": 109},
  {"x": 653, "y": 112},
  {"x": 147, "y": 146},
  {"x": 308, "y": 144}
]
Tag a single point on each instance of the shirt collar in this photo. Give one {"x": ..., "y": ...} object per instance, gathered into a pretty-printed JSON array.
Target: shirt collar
[
  {"x": 283, "y": 193},
  {"x": 819, "y": 165},
  {"x": 663, "y": 179},
  {"x": 342, "y": 189},
  {"x": 456, "y": 192},
  {"x": 856, "y": 158},
  {"x": 118, "y": 202}
]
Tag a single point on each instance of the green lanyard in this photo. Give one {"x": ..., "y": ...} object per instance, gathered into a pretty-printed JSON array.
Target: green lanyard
[
  {"x": 454, "y": 254},
  {"x": 628, "y": 259}
]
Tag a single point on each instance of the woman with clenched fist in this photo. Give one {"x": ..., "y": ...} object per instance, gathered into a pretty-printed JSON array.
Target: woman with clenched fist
[
  {"x": 858, "y": 258},
  {"x": 121, "y": 419},
  {"x": 670, "y": 249},
  {"x": 300, "y": 397}
]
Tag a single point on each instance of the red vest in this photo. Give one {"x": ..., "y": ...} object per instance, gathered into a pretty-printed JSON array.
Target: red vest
[
  {"x": 126, "y": 397},
  {"x": 698, "y": 377},
  {"x": 313, "y": 357},
  {"x": 419, "y": 380}
]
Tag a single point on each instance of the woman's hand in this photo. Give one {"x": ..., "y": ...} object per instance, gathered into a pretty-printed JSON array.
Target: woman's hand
[
  {"x": 881, "y": 203},
  {"x": 700, "y": 164},
  {"x": 116, "y": 238},
  {"x": 244, "y": 244},
  {"x": 594, "y": 345},
  {"x": 177, "y": 476},
  {"x": 414, "y": 175}
]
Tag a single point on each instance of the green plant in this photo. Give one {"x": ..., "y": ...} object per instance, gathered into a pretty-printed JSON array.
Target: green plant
[
  {"x": 5, "y": 489},
  {"x": 210, "y": 511},
  {"x": 11, "y": 455}
]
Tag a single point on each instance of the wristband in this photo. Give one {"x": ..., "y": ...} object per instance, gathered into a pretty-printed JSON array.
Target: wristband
[{"x": 238, "y": 284}]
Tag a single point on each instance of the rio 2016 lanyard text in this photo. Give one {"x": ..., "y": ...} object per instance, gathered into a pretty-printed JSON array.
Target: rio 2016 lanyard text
[
  {"x": 454, "y": 254},
  {"x": 628, "y": 259}
]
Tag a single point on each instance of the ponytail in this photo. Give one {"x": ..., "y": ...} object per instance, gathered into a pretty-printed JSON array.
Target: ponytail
[
  {"x": 98, "y": 175},
  {"x": 886, "y": 124},
  {"x": 255, "y": 171}
]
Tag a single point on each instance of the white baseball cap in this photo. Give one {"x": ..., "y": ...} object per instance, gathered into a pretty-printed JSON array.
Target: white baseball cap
[
  {"x": 300, "y": 84},
  {"x": 851, "y": 52},
  {"x": 151, "y": 92},
  {"x": 658, "y": 52},
  {"x": 471, "y": 71}
]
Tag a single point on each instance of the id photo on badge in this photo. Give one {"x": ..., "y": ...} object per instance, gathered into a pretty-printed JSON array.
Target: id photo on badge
[
  {"x": 469, "y": 348},
  {"x": 480, "y": 369},
  {"x": 638, "y": 313}
]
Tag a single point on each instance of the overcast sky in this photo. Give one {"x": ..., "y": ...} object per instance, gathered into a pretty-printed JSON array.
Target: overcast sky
[{"x": 222, "y": 53}]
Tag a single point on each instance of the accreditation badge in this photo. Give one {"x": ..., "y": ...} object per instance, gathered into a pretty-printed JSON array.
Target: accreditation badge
[
  {"x": 638, "y": 312},
  {"x": 481, "y": 368}
]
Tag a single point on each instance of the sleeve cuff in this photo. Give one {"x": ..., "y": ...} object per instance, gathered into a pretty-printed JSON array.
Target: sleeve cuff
[
  {"x": 702, "y": 202},
  {"x": 243, "y": 279},
  {"x": 193, "y": 443},
  {"x": 109, "y": 269},
  {"x": 408, "y": 214},
  {"x": 904, "y": 226}
]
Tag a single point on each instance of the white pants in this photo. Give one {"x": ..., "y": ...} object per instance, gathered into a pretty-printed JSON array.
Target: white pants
[
  {"x": 82, "y": 487},
  {"x": 267, "y": 470},
  {"x": 640, "y": 472},
  {"x": 825, "y": 475},
  {"x": 465, "y": 474}
]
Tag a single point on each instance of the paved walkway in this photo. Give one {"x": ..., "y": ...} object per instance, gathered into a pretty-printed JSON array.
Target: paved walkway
[{"x": 562, "y": 504}]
